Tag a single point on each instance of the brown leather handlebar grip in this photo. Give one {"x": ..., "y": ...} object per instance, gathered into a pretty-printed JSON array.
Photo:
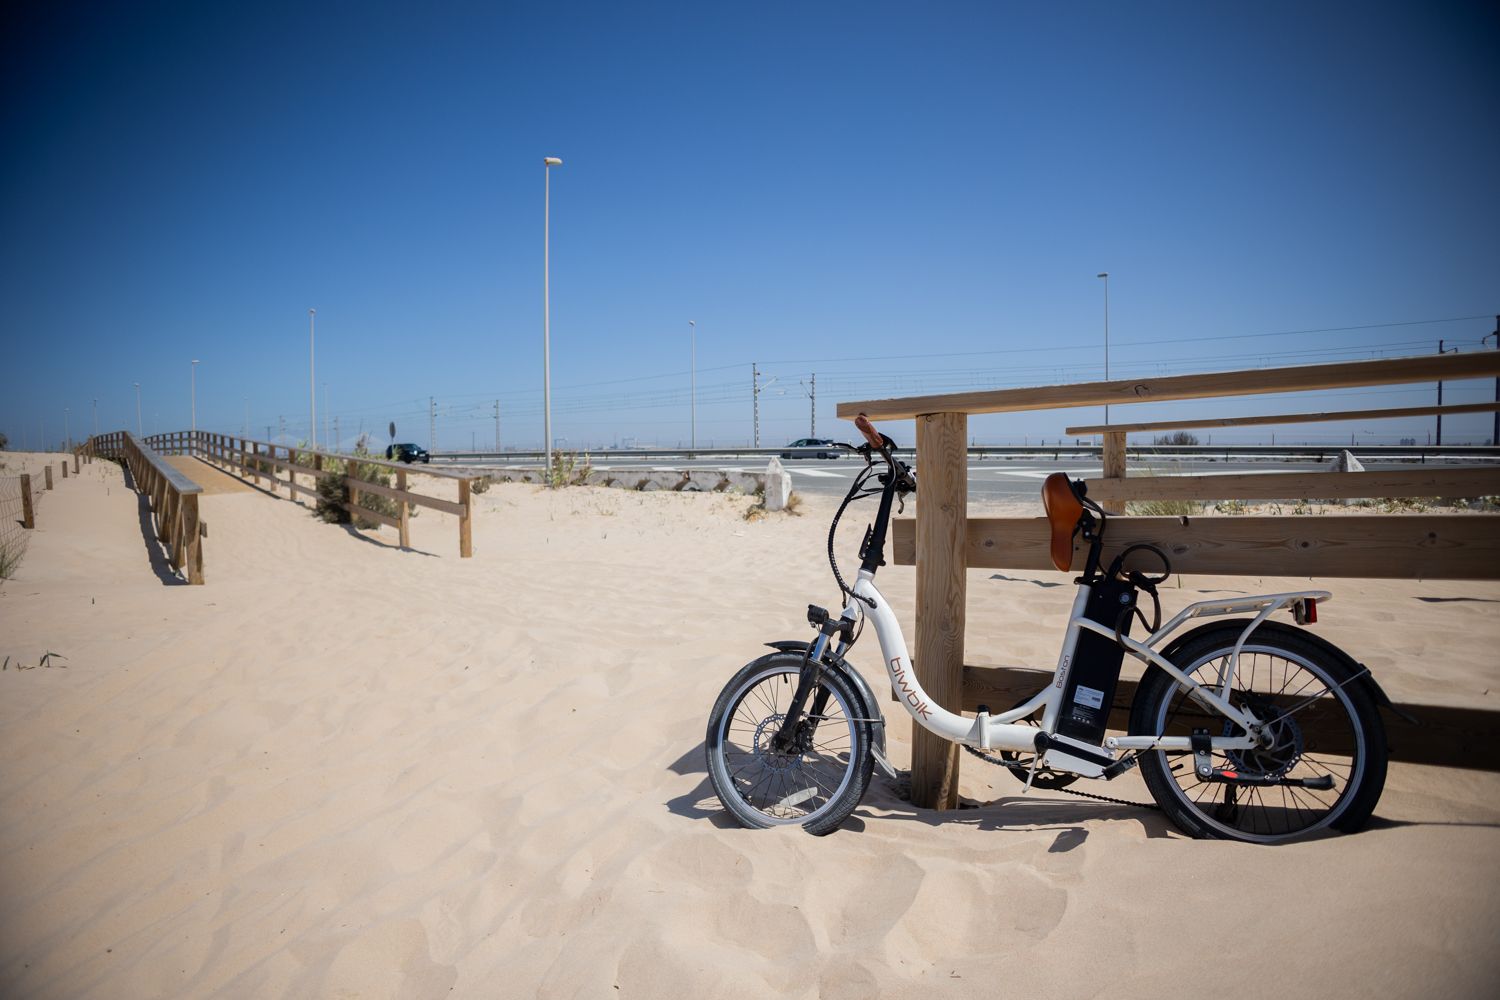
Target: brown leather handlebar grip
[{"x": 868, "y": 430}]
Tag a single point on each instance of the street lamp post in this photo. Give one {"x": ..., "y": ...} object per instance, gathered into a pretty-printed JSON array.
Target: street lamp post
[
  {"x": 1105, "y": 276},
  {"x": 693, "y": 404},
  {"x": 140, "y": 431},
  {"x": 312, "y": 384},
  {"x": 1495, "y": 434},
  {"x": 67, "y": 433},
  {"x": 195, "y": 395},
  {"x": 547, "y": 164},
  {"x": 96, "y": 416},
  {"x": 1440, "y": 395}
]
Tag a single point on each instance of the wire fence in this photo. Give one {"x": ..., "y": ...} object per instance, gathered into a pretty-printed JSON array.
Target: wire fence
[{"x": 14, "y": 536}]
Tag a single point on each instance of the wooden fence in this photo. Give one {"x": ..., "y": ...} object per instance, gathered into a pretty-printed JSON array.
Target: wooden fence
[
  {"x": 942, "y": 542},
  {"x": 264, "y": 460},
  {"x": 257, "y": 460},
  {"x": 173, "y": 498}
]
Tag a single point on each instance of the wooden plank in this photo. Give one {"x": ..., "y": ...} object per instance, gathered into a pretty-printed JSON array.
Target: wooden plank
[
  {"x": 1114, "y": 469},
  {"x": 179, "y": 482},
  {"x": 447, "y": 506},
  {"x": 1288, "y": 418},
  {"x": 1444, "y": 736},
  {"x": 941, "y": 598},
  {"x": 1426, "y": 481},
  {"x": 1368, "y": 546},
  {"x": 1336, "y": 375},
  {"x": 374, "y": 515}
]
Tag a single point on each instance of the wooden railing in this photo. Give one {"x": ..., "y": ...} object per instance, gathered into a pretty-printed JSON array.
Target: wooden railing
[
  {"x": 173, "y": 498},
  {"x": 257, "y": 460},
  {"x": 943, "y": 542},
  {"x": 264, "y": 460}
]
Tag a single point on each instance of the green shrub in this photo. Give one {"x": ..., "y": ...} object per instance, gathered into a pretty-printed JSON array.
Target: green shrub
[
  {"x": 566, "y": 471},
  {"x": 333, "y": 489}
]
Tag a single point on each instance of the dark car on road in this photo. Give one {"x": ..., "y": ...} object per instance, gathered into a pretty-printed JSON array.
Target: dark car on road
[
  {"x": 812, "y": 448},
  {"x": 407, "y": 453}
]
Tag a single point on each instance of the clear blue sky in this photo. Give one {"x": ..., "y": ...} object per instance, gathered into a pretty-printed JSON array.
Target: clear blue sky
[{"x": 901, "y": 198}]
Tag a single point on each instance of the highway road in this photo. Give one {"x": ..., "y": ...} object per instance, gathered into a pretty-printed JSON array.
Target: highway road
[{"x": 990, "y": 479}]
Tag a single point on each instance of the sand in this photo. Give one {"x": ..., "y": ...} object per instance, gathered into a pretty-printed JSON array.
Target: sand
[{"x": 343, "y": 770}]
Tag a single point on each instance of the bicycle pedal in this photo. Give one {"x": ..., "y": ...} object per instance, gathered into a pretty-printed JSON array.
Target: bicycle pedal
[{"x": 1119, "y": 767}]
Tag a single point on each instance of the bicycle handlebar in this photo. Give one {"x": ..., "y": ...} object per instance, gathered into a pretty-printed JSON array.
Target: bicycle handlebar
[{"x": 868, "y": 430}]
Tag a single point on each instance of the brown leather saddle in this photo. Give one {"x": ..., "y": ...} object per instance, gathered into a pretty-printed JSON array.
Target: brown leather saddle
[{"x": 1064, "y": 510}]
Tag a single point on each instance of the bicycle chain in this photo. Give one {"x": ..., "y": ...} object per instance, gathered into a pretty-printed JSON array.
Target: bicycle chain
[{"x": 1021, "y": 773}]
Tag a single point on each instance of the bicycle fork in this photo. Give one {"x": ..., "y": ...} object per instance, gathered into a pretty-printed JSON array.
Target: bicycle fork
[{"x": 796, "y": 731}]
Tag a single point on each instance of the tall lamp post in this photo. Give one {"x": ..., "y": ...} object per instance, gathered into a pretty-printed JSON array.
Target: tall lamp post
[
  {"x": 1105, "y": 276},
  {"x": 96, "y": 416},
  {"x": 1441, "y": 350},
  {"x": 139, "y": 430},
  {"x": 693, "y": 397},
  {"x": 195, "y": 395},
  {"x": 67, "y": 433},
  {"x": 1495, "y": 434},
  {"x": 312, "y": 384},
  {"x": 547, "y": 164}
]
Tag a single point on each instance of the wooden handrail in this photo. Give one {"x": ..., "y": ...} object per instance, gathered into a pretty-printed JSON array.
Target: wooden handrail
[
  {"x": 174, "y": 500},
  {"x": 1251, "y": 382},
  {"x": 1425, "y": 481},
  {"x": 1288, "y": 418}
]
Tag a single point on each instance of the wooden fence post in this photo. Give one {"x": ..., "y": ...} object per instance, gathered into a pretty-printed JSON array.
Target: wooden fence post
[
  {"x": 1114, "y": 467},
  {"x": 28, "y": 512},
  {"x": 47, "y": 469},
  {"x": 465, "y": 521},
  {"x": 405, "y": 527},
  {"x": 192, "y": 542},
  {"x": 64, "y": 465},
  {"x": 75, "y": 463},
  {"x": 942, "y": 520}
]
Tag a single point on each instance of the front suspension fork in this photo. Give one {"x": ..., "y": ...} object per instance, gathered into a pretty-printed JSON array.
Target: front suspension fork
[{"x": 796, "y": 731}]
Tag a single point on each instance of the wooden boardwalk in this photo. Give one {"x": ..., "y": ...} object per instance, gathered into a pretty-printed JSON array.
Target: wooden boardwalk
[{"x": 213, "y": 480}]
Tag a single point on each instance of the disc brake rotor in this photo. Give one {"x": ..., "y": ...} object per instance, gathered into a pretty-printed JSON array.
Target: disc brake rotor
[{"x": 767, "y": 757}]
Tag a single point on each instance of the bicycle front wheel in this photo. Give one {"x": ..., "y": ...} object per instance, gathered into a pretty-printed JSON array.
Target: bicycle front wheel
[
  {"x": 818, "y": 783},
  {"x": 1323, "y": 727}
]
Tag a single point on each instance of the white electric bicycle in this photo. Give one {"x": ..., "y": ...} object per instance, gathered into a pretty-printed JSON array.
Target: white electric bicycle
[{"x": 1244, "y": 729}]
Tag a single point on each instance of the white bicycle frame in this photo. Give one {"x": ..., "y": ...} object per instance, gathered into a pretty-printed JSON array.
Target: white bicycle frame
[{"x": 1001, "y": 732}]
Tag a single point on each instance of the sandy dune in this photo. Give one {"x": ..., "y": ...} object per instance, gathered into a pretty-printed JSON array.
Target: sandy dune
[{"x": 343, "y": 770}]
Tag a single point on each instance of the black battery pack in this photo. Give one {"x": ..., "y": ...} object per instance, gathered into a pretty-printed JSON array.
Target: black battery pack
[{"x": 1090, "y": 690}]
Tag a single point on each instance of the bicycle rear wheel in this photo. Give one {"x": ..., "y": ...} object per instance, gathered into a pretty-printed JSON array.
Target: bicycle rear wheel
[
  {"x": 817, "y": 786},
  {"x": 1323, "y": 725}
]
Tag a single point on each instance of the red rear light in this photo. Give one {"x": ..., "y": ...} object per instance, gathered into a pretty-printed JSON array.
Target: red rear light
[{"x": 1311, "y": 604}]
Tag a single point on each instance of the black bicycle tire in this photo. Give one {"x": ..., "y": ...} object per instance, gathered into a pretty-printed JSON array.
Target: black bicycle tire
[
  {"x": 1353, "y": 808},
  {"x": 836, "y": 810}
]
